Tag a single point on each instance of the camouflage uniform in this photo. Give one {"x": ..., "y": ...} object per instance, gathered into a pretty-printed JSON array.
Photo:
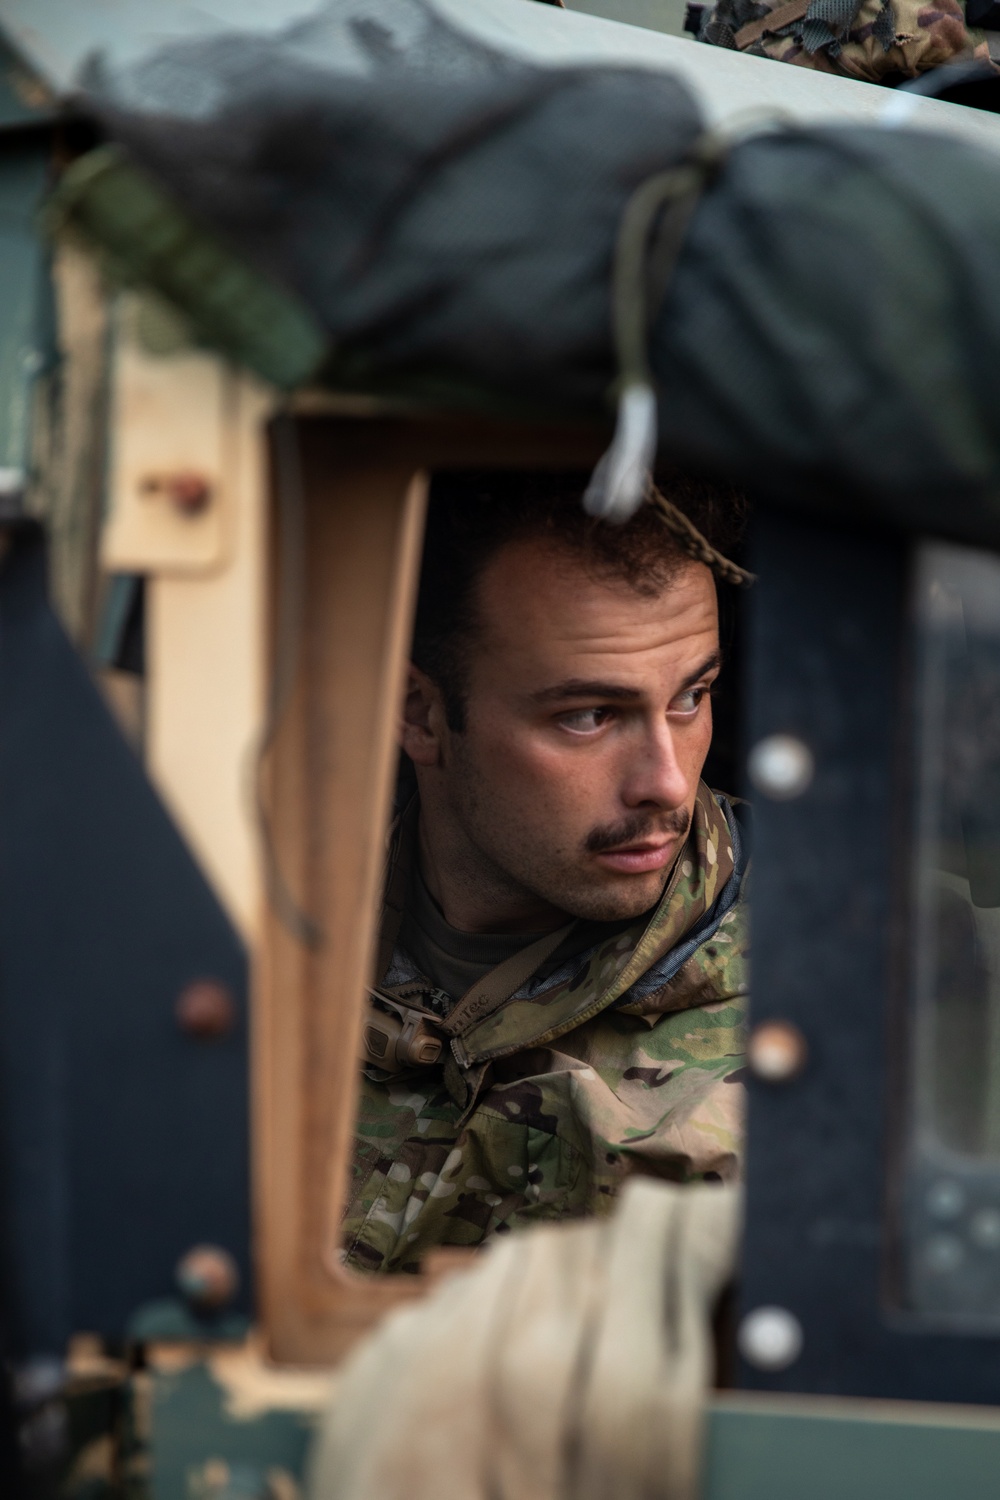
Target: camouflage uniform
[
  {"x": 868, "y": 39},
  {"x": 623, "y": 1057}
]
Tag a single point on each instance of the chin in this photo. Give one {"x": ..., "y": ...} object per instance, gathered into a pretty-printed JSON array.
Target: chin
[{"x": 618, "y": 903}]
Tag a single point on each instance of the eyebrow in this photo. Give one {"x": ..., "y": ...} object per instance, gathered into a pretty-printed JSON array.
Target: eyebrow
[{"x": 615, "y": 692}]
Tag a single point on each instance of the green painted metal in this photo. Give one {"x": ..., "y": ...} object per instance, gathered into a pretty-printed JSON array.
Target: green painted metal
[
  {"x": 197, "y": 1448},
  {"x": 169, "y": 1320},
  {"x": 26, "y": 346},
  {"x": 24, "y": 100},
  {"x": 145, "y": 240},
  {"x": 766, "y": 1448},
  {"x": 784, "y": 1448},
  {"x": 758, "y": 1448}
]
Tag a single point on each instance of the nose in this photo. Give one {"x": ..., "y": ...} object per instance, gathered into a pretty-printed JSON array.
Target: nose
[{"x": 654, "y": 775}]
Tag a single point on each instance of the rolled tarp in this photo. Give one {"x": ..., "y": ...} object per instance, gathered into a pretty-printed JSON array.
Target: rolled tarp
[{"x": 439, "y": 221}]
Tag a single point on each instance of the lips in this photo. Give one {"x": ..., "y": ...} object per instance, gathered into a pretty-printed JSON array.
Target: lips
[{"x": 638, "y": 859}]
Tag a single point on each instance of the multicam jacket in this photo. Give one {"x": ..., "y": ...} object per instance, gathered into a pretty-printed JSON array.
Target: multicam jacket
[{"x": 624, "y": 1058}]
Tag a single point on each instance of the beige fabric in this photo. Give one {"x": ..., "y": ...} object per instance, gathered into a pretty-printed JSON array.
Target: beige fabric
[{"x": 570, "y": 1362}]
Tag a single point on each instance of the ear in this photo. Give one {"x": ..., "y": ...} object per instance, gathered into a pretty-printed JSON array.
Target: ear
[{"x": 423, "y": 722}]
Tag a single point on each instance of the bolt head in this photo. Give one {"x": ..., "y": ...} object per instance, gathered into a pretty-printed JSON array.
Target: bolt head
[
  {"x": 186, "y": 489},
  {"x": 188, "y": 492},
  {"x": 770, "y": 1338},
  {"x": 207, "y": 1277},
  {"x": 206, "y": 1009},
  {"x": 781, "y": 767},
  {"x": 984, "y": 1228},
  {"x": 776, "y": 1052},
  {"x": 945, "y": 1199},
  {"x": 943, "y": 1254}
]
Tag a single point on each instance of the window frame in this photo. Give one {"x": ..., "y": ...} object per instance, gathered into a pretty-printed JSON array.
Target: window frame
[{"x": 327, "y": 784}]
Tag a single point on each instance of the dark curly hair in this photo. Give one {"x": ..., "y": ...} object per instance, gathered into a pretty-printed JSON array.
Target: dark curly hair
[{"x": 473, "y": 513}]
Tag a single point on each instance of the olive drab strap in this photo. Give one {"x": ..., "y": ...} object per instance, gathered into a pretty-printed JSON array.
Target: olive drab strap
[
  {"x": 497, "y": 987},
  {"x": 398, "y": 1034},
  {"x": 398, "y": 1031}
]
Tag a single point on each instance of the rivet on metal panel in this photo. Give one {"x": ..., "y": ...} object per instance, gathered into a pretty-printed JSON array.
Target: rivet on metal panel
[
  {"x": 770, "y": 1338},
  {"x": 945, "y": 1199},
  {"x": 943, "y": 1254},
  {"x": 984, "y": 1228},
  {"x": 776, "y": 1051},
  {"x": 188, "y": 491},
  {"x": 206, "y": 1009},
  {"x": 207, "y": 1277},
  {"x": 781, "y": 767}
]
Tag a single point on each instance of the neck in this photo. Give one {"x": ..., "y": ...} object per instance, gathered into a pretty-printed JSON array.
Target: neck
[{"x": 473, "y": 894}]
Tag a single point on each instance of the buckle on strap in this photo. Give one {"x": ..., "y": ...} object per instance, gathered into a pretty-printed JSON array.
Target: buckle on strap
[{"x": 397, "y": 1036}]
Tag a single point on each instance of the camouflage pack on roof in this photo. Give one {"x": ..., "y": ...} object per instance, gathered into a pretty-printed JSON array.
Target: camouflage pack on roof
[{"x": 869, "y": 39}]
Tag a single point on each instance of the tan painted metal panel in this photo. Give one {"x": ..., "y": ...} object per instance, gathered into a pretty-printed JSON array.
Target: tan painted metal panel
[
  {"x": 205, "y": 665},
  {"x": 169, "y": 413}
]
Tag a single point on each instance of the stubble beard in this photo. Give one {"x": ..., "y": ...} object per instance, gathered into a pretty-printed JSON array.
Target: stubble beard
[{"x": 512, "y": 859}]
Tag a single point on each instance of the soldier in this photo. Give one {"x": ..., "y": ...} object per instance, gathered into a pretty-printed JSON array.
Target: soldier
[{"x": 562, "y": 958}]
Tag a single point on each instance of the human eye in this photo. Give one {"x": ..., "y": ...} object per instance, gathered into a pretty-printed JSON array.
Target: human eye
[
  {"x": 584, "y": 720},
  {"x": 690, "y": 700}
]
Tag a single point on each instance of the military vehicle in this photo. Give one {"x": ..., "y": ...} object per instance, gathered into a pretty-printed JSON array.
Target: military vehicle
[{"x": 212, "y": 483}]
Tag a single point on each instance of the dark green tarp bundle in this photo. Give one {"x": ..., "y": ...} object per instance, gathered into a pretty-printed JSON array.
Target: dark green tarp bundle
[{"x": 442, "y": 218}]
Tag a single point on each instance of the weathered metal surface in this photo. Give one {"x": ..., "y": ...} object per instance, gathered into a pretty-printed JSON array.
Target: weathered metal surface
[
  {"x": 122, "y": 1140},
  {"x": 828, "y": 664}
]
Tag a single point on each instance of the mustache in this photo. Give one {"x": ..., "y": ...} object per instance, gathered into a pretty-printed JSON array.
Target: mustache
[{"x": 639, "y": 826}]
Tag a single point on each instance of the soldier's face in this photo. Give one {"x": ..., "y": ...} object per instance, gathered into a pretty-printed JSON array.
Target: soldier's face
[{"x": 588, "y": 722}]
